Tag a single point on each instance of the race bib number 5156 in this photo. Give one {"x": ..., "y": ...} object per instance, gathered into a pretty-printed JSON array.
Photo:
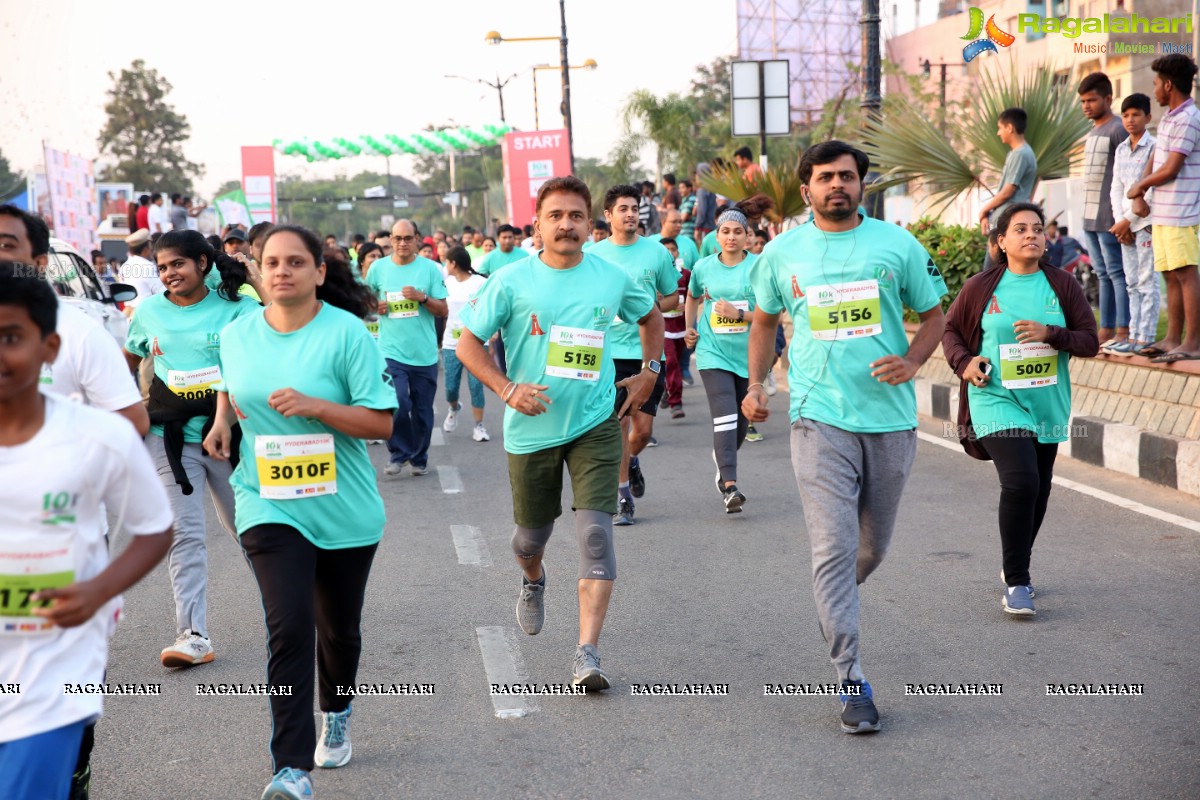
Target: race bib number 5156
[{"x": 845, "y": 310}]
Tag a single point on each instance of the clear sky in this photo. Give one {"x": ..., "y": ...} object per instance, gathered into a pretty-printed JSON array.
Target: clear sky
[{"x": 249, "y": 72}]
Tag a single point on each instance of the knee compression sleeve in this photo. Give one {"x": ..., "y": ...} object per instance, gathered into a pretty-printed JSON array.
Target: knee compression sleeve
[
  {"x": 597, "y": 559},
  {"x": 530, "y": 542}
]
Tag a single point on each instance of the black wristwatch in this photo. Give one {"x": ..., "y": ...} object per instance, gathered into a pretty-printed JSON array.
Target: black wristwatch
[
  {"x": 653, "y": 366},
  {"x": 423, "y": 302}
]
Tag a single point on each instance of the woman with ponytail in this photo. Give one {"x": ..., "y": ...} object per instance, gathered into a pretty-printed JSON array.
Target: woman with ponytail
[
  {"x": 181, "y": 328},
  {"x": 309, "y": 514}
]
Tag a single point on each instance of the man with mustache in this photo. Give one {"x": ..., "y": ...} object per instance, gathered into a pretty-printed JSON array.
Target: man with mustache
[
  {"x": 555, "y": 310},
  {"x": 651, "y": 265},
  {"x": 845, "y": 280}
]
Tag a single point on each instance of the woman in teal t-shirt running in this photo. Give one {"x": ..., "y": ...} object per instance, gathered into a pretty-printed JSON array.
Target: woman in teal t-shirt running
[
  {"x": 719, "y": 306},
  {"x": 181, "y": 328},
  {"x": 1009, "y": 335},
  {"x": 309, "y": 513}
]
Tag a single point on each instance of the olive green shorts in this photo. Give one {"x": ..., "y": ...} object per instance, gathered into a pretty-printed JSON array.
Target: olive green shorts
[{"x": 594, "y": 462}]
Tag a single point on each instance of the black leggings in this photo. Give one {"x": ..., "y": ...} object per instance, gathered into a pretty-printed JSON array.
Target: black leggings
[
  {"x": 1025, "y": 467},
  {"x": 311, "y": 597},
  {"x": 726, "y": 392}
]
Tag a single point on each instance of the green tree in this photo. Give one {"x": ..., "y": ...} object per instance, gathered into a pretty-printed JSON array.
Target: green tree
[
  {"x": 10, "y": 182},
  {"x": 907, "y": 143},
  {"x": 313, "y": 203},
  {"x": 477, "y": 174},
  {"x": 145, "y": 134}
]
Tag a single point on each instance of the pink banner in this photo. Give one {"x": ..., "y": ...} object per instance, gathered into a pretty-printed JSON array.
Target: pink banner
[
  {"x": 531, "y": 159},
  {"x": 71, "y": 188}
]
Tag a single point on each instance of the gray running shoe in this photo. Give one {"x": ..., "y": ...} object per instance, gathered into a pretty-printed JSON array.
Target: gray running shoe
[
  {"x": 858, "y": 708},
  {"x": 1018, "y": 601},
  {"x": 531, "y": 604},
  {"x": 587, "y": 670},
  {"x": 394, "y": 468},
  {"x": 417, "y": 472},
  {"x": 1032, "y": 593},
  {"x": 624, "y": 515}
]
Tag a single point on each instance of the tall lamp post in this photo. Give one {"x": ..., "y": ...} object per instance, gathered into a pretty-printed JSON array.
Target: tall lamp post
[
  {"x": 498, "y": 86},
  {"x": 590, "y": 64},
  {"x": 495, "y": 38}
]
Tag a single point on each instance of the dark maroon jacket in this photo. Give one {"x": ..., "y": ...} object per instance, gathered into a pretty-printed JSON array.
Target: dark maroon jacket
[{"x": 963, "y": 336}]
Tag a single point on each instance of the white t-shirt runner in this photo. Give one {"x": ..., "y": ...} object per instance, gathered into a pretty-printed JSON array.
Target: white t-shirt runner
[
  {"x": 51, "y": 491},
  {"x": 458, "y": 294},
  {"x": 89, "y": 367}
]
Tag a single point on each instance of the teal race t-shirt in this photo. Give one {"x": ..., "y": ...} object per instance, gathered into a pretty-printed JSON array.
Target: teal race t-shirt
[
  {"x": 496, "y": 259},
  {"x": 723, "y": 341},
  {"x": 687, "y": 249},
  {"x": 846, "y": 294},
  {"x": 1030, "y": 384},
  {"x": 708, "y": 245},
  {"x": 406, "y": 331},
  {"x": 185, "y": 342},
  {"x": 556, "y": 325},
  {"x": 648, "y": 263},
  {"x": 316, "y": 479}
]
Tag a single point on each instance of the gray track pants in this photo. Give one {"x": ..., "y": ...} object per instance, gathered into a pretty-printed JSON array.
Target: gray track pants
[
  {"x": 725, "y": 392},
  {"x": 850, "y": 485},
  {"x": 188, "y": 557}
]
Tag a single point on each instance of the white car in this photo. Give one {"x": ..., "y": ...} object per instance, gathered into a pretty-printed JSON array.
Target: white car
[{"x": 76, "y": 283}]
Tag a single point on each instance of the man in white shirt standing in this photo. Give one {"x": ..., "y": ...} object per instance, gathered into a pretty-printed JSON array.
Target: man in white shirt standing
[
  {"x": 160, "y": 221},
  {"x": 138, "y": 270}
]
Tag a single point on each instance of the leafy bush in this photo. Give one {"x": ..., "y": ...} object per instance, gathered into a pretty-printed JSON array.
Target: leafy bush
[{"x": 958, "y": 251}]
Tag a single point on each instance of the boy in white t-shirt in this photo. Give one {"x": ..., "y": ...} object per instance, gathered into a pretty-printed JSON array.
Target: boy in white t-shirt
[{"x": 59, "y": 593}]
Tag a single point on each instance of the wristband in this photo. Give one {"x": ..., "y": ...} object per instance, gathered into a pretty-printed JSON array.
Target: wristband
[
  {"x": 751, "y": 386},
  {"x": 507, "y": 393}
]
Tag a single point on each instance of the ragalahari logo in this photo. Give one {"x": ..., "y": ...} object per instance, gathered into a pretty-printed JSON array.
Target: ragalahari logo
[{"x": 994, "y": 37}]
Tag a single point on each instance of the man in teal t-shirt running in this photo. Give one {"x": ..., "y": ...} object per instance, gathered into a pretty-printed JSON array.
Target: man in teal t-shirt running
[
  {"x": 650, "y": 264},
  {"x": 845, "y": 280},
  {"x": 555, "y": 310},
  {"x": 411, "y": 292}
]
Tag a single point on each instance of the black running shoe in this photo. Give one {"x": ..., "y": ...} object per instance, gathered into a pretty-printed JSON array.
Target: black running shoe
[
  {"x": 858, "y": 709},
  {"x": 734, "y": 500},
  {"x": 637, "y": 481}
]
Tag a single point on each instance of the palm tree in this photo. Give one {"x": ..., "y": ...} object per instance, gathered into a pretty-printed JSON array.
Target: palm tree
[
  {"x": 668, "y": 122},
  {"x": 780, "y": 182},
  {"x": 908, "y": 145}
]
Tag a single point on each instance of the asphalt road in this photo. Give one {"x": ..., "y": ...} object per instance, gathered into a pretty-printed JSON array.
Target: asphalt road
[{"x": 703, "y": 597}]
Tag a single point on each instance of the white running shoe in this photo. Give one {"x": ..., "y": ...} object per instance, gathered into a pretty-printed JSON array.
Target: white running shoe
[
  {"x": 333, "y": 750},
  {"x": 451, "y": 420},
  {"x": 480, "y": 434},
  {"x": 394, "y": 468},
  {"x": 769, "y": 385},
  {"x": 289, "y": 784},
  {"x": 190, "y": 649}
]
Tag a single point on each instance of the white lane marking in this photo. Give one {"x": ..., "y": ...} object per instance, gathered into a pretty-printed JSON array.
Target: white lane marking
[
  {"x": 1090, "y": 491},
  {"x": 470, "y": 545},
  {"x": 451, "y": 480},
  {"x": 436, "y": 439},
  {"x": 503, "y": 664}
]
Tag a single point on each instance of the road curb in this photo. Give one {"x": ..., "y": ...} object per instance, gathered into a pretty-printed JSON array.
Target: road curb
[{"x": 1156, "y": 457}]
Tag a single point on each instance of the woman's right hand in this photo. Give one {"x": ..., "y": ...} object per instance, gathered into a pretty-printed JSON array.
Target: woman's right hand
[
  {"x": 216, "y": 444},
  {"x": 690, "y": 337},
  {"x": 974, "y": 373}
]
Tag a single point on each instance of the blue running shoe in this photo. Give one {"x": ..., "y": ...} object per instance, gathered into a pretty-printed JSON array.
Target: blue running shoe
[
  {"x": 858, "y": 709},
  {"x": 1018, "y": 600},
  {"x": 333, "y": 750},
  {"x": 289, "y": 784}
]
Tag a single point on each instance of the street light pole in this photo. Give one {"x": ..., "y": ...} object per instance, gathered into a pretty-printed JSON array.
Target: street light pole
[
  {"x": 498, "y": 86},
  {"x": 566, "y": 85}
]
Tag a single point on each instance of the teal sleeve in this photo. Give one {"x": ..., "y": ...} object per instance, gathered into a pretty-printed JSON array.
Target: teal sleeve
[
  {"x": 668, "y": 277},
  {"x": 136, "y": 340},
  {"x": 366, "y": 374},
  {"x": 695, "y": 284},
  {"x": 935, "y": 277},
  {"x": 372, "y": 278},
  {"x": 917, "y": 290},
  {"x": 437, "y": 284},
  {"x": 636, "y": 300},
  {"x": 762, "y": 281},
  {"x": 487, "y": 312}
]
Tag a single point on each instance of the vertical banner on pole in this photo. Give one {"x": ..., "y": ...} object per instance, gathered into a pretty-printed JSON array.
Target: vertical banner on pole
[
  {"x": 258, "y": 182},
  {"x": 531, "y": 159},
  {"x": 71, "y": 189}
]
